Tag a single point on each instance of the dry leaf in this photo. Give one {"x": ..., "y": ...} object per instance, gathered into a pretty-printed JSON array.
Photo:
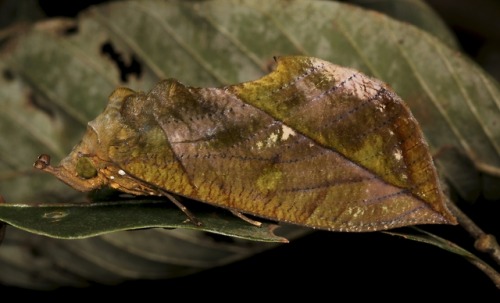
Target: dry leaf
[{"x": 311, "y": 143}]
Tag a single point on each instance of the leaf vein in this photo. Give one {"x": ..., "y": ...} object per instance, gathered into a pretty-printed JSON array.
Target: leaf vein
[
  {"x": 190, "y": 50},
  {"x": 226, "y": 34},
  {"x": 281, "y": 28},
  {"x": 131, "y": 43},
  {"x": 358, "y": 50},
  {"x": 427, "y": 89},
  {"x": 466, "y": 96}
]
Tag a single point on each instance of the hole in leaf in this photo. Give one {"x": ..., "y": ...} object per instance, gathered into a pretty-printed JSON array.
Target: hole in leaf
[{"x": 126, "y": 68}]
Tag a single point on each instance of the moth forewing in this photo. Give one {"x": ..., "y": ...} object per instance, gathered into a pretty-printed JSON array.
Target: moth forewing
[{"x": 311, "y": 143}]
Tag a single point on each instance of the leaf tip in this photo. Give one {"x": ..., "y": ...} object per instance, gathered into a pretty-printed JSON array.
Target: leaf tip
[{"x": 272, "y": 228}]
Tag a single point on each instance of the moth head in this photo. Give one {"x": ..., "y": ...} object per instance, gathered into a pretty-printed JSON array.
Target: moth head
[
  {"x": 78, "y": 169},
  {"x": 83, "y": 176},
  {"x": 85, "y": 167}
]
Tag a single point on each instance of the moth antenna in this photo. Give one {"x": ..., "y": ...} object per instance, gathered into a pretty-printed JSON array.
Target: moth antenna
[
  {"x": 246, "y": 219},
  {"x": 184, "y": 209},
  {"x": 43, "y": 163}
]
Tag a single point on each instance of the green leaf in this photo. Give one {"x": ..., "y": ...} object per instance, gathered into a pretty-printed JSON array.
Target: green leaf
[
  {"x": 416, "y": 12},
  {"x": 77, "y": 221},
  {"x": 429, "y": 238}
]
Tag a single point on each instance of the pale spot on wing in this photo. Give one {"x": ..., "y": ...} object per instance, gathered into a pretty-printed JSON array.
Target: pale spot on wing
[
  {"x": 287, "y": 132},
  {"x": 381, "y": 107},
  {"x": 273, "y": 138},
  {"x": 358, "y": 212},
  {"x": 276, "y": 137},
  {"x": 398, "y": 155}
]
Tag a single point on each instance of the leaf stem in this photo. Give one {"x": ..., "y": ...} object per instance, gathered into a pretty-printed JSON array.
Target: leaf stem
[
  {"x": 484, "y": 242},
  {"x": 487, "y": 270}
]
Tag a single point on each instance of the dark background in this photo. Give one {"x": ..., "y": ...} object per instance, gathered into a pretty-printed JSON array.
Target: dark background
[{"x": 336, "y": 266}]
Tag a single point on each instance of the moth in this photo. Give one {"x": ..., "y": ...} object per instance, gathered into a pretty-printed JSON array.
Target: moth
[{"x": 311, "y": 143}]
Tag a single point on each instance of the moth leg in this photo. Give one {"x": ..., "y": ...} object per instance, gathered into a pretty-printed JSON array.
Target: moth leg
[
  {"x": 245, "y": 218},
  {"x": 184, "y": 209}
]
